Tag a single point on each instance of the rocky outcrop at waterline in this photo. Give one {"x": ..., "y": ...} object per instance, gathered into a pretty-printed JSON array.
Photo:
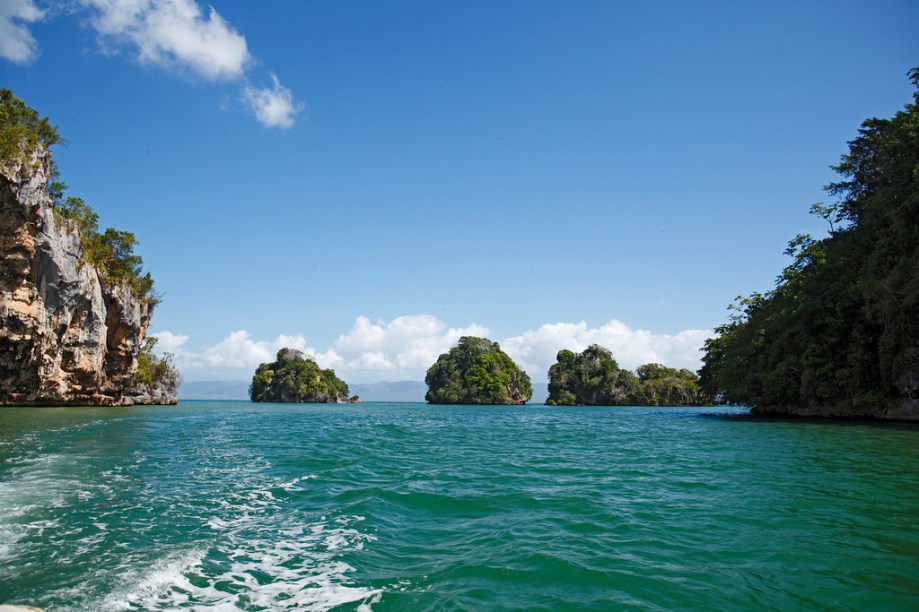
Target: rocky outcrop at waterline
[
  {"x": 906, "y": 409},
  {"x": 297, "y": 379},
  {"x": 68, "y": 334}
]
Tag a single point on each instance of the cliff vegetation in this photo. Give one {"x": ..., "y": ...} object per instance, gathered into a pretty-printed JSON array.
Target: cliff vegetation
[
  {"x": 155, "y": 376},
  {"x": 75, "y": 302},
  {"x": 838, "y": 335},
  {"x": 111, "y": 252},
  {"x": 294, "y": 377},
  {"x": 22, "y": 130},
  {"x": 477, "y": 371},
  {"x": 593, "y": 378}
]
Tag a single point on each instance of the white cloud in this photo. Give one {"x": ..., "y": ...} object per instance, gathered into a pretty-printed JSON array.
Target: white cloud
[
  {"x": 174, "y": 33},
  {"x": 233, "y": 357},
  {"x": 273, "y": 106},
  {"x": 238, "y": 350},
  {"x": 16, "y": 41},
  {"x": 406, "y": 345},
  {"x": 535, "y": 350},
  {"x": 404, "y": 348},
  {"x": 181, "y": 35},
  {"x": 168, "y": 342}
]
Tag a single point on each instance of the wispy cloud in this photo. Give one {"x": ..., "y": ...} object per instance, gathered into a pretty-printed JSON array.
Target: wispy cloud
[
  {"x": 404, "y": 348},
  {"x": 182, "y": 36},
  {"x": 16, "y": 41},
  {"x": 173, "y": 33},
  {"x": 273, "y": 106}
]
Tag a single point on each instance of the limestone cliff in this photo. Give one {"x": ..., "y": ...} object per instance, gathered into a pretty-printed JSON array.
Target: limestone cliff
[{"x": 67, "y": 336}]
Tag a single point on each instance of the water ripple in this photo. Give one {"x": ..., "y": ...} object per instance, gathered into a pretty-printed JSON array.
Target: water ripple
[{"x": 233, "y": 506}]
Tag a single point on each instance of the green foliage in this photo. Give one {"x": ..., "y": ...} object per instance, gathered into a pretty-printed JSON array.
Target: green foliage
[
  {"x": 293, "y": 377},
  {"x": 663, "y": 386},
  {"x": 841, "y": 327},
  {"x": 476, "y": 371},
  {"x": 111, "y": 253},
  {"x": 584, "y": 378},
  {"x": 79, "y": 213},
  {"x": 153, "y": 370},
  {"x": 22, "y": 129},
  {"x": 594, "y": 378}
]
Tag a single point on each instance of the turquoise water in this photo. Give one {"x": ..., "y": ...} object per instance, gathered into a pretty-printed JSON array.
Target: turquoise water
[{"x": 227, "y": 505}]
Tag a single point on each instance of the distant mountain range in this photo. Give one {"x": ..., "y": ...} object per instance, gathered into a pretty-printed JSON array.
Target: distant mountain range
[
  {"x": 399, "y": 391},
  {"x": 214, "y": 390},
  {"x": 386, "y": 391}
]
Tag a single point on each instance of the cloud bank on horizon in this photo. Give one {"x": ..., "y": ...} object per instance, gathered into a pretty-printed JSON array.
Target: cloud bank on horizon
[
  {"x": 404, "y": 348},
  {"x": 177, "y": 35}
]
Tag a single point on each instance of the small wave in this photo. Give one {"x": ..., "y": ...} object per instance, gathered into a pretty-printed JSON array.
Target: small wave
[
  {"x": 292, "y": 484},
  {"x": 166, "y": 575},
  {"x": 252, "y": 555},
  {"x": 299, "y": 570},
  {"x": 32, "y": 485}
]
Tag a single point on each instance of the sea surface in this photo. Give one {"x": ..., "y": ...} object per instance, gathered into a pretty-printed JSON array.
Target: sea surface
[{"x": 230, "y": 505}]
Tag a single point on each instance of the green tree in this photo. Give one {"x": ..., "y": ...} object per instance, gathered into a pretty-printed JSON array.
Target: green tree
[
  {"x": 840, "y": 330},
  {"x": 294, "y": 377},
  {"x": 22, "y": 129},
  {"x": 476, "y": 371},
  {"x": 589, "y": 377},
  {"x": 111, "y": 253},
  {"x": 594, "y": 378},
  {"x": 79, "y": 213},
  {"x": 153, "y": 370}
]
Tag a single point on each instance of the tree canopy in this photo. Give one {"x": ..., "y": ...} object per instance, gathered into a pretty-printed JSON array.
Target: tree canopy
[
  {"x": 841, "y": 327},
  {"x": 22, "y": 129},
  {"x": 110, "y": 252},
  {"x": 477, "y": 371},
  {"x": 153, "y": 370},
  {"x": 294, "y": 377},
  {"x": 594, "y": 378}
]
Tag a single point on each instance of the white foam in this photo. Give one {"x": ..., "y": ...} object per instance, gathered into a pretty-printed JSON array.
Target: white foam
[
  {"x": 216, "y": 523},
  {"x": 166, "y": 575},
  {"x": 31, "y": 486},
  {"x": 259, "y": 557},
  {"x": 303, "y": 574},
  {"x": 365, "y": 605},
  {"x": 248, "y": 552},
  {"x": 292, "y": 485}
]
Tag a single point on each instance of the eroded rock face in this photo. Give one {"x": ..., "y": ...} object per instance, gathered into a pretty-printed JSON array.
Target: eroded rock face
[{"x": 66, "y": 335}]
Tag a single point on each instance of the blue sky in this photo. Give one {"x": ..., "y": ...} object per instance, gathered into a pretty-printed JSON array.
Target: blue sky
[{"x": 368, "y": 181}]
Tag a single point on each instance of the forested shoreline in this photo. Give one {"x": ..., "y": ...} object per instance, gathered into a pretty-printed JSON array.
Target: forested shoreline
[{"x": 839, "y": 333}]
